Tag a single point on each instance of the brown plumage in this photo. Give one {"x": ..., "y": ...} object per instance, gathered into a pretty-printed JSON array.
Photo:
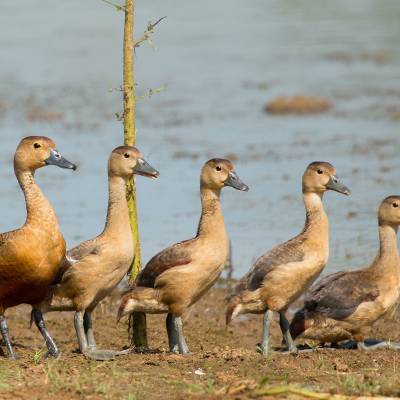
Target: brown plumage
[
  {"x": 30, "y": 256},
  {"x": 280, "y": 276},
  {"x": 174, "y": 256},
  {"x": 179, "y": 275},
  {"x": 342, "y": 305},
  {"x": 94, "y": 268}
]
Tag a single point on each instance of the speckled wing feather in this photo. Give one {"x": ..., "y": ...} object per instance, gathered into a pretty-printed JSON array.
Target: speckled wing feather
[
  {"x": 75, "y": 255},
  {"x": 338, "y": 295},
  {"x": 82, "y": 250},
  {"x": 286, "y": 253},
  {"x": 173, "y": 256}
]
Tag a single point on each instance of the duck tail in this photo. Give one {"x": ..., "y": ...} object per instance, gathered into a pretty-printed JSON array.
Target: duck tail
[
  {"x": 232, "y": 308},
  {"x": 140, "y": 299}
]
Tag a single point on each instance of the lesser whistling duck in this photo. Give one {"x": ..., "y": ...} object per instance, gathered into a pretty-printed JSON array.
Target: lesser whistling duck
[
  {"x": 341, "y": 305},
  {"x": 178, "y": 276},
  {"x": 95, "y": 267},
  {"x": 281, "y": 275},
  {"x": 30, "y": 256}
]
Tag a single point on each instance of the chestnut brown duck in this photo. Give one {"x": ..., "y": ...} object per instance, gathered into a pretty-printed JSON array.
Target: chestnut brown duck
[
  {"x": 178, "y": 276},
  {"x": 283, "y": 274},
  {"x": 343, "y": 305},
  {"x": 94, "y": 268},
  {"x": 30, "y": 256}
]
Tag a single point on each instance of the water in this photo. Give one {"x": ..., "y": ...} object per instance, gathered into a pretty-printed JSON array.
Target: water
[{"x": 218, "y": 63}]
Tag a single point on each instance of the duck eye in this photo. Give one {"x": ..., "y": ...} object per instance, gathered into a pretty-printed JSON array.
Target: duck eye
[
  {"x": 36, "y": 145},
  {"x": 218, "y": 168},
  {"x": 320, "y": 171},
  {"x": 126, "y": 155},
  {"x": 395, "y": 205}
]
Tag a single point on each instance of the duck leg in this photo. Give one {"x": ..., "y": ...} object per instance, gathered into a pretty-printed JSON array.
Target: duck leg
[
  {"x": 264, "y": 347},
  {"x": 87, "y": 325},
  {"x": 39, "y": 321},
  {"x": 84, "y": 344},
  {"x": 178, "y": 331},
  {"x": 172, "y": 334},
  {"x": 6, "y": 337},
  {"x": 284, "y": 324}
]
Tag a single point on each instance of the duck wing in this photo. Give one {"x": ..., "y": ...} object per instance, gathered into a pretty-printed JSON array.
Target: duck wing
[
  {"x": 338, "y": 295},
  {"x": 288, "y": 252},
  {"x": 173, "y": 256},
  {"x": 82, "y": 250},
  {"x": 76, "y": 254}
]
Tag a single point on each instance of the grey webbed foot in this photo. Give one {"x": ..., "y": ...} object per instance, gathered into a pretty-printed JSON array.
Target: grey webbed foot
[
  {"x": 6, "y": 338},
  {"x": 297, "y": 351},
  {"x": 39, "y": 321},
  {"x": 376, "y": 346},
  {"x": 104, "y": 355},
  {"x": 86, "y": 350}
]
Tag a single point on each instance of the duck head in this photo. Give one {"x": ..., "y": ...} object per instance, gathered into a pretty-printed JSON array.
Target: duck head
[
  {"x": 389, "y": 211},
  {"x": 320, "y": 176},
  {"x": 217, "y": 173},
  {"x": 34, "y": 152},
  {"x": 125, "y": 161}
]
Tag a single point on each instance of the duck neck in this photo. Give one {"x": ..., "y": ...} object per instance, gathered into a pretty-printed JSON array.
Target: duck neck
[
  {"x": 388, "y": 249},
  {"x": 316, "y": 225},
  {"x": 117, "y": 213},
  {"x": 211, "y": 221},
  {"x": 38, "y": 208}
]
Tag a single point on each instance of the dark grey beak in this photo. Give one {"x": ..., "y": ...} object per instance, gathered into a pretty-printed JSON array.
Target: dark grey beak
[
  {"x": 234, "y": 181},
  {"x": 143, "y": 168},
  {"x": 335, "y": 184},
  {"x": 57, "y": 159}
]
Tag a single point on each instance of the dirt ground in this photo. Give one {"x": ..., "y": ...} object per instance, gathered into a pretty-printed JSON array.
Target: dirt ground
[{"x": 223, "y": 363}]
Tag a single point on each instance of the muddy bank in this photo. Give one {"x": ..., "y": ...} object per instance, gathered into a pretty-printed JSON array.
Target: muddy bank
[
  {"x": 223, "y": 363},
  {"x": 298, "y": 105}
]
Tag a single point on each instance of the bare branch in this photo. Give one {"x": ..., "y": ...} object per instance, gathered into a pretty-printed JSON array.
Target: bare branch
[
  {"x": 116, "y": 89},
  {"x": 150, "y": 93},
  {"x": 118, "y": 7},
  {"x": 119, "y": 116},
  {"x": 146, "y": 37}
]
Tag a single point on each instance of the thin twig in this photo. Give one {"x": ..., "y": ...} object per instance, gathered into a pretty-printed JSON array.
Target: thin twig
[
  {"x": 117, "y": 6},
  {"x": 146, "y": 34},
  {"x": 150, "y": 93},
  {"x": 120, "y": 116}
]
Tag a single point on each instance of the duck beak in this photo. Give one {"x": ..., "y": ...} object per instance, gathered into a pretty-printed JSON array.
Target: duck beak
[
  {"x": 234, "y": 181},
  {"x": 57, "y": 159},
  {"x": 143, "y": 168},
  {"x": 335, "y": 184}
]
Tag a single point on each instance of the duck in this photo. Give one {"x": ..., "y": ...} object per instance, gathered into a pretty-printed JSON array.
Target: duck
[
  {"x": 178, "y": 276},
  {"x": 95, "y": 267},
  {"x": 342, "y": 305},
  {"x": 30, "y": 255},
  {"x": 280, "y": 276}
]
